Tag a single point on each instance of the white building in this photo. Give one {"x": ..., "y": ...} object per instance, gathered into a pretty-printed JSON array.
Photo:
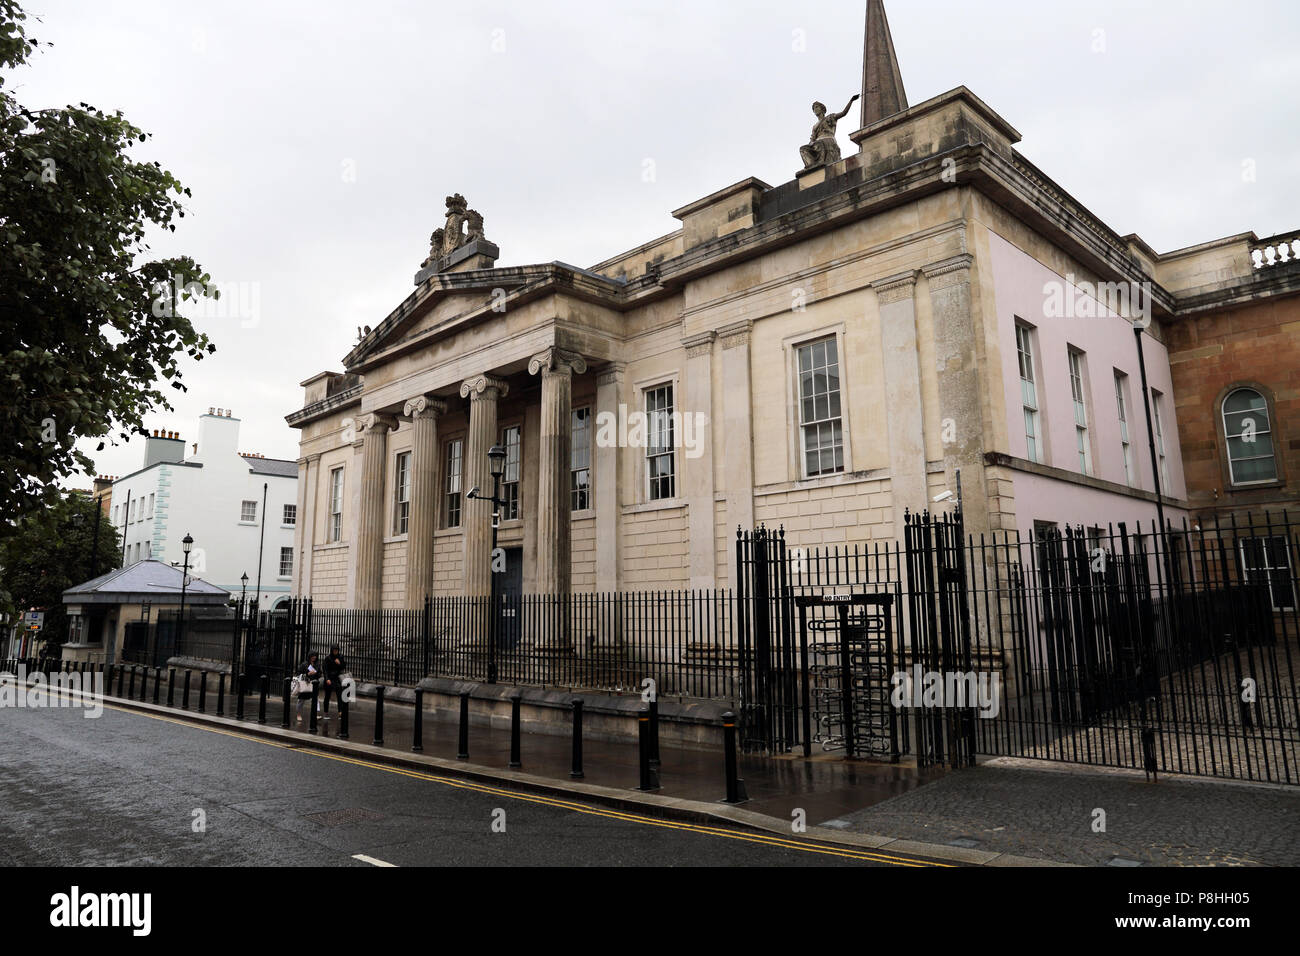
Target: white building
[{"x": 234, "y": 504}]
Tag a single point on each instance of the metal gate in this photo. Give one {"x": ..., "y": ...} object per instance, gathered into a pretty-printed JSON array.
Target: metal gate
[{"x": 847, "y": 655}]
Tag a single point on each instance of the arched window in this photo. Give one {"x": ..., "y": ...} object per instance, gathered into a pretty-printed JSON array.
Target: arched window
[{"x": 1249, "y": 435}]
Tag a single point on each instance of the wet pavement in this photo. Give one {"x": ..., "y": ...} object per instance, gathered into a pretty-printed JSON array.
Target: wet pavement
[{"x": 824, "y": 787}]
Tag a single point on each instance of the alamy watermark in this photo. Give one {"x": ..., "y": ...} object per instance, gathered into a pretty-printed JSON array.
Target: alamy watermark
[
  {"x": 63, "y": 689},
  {"x": 939, "y": 689}
]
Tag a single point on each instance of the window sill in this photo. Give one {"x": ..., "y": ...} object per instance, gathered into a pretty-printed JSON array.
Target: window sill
[
  {"x": 248, "y": 524},
  {"x": 667, "y": 504},
  {"x": 396, "y": 538},
  {"x": 284, "y": 577},
  {"x": 448, "y": 532},
  {"x": 288, "y": 527}
]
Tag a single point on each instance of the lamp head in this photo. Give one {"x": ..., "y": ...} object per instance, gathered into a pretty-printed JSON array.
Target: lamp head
[
  {"x": 243, "y": 579},
  {"x": 186, "y": 543},
  {"x": 497, "y": 460}
]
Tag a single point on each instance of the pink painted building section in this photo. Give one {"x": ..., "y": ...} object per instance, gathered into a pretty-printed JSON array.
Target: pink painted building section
[{"x": 1104, "y": 344}]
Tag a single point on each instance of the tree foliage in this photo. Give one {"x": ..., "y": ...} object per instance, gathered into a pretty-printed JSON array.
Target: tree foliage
[
  {"x": 90, "y": 325},
  {"x": 50, "y": 551}
]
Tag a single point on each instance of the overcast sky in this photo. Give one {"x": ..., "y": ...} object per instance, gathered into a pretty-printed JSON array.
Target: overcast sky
[{"x": 321, "y": 138}]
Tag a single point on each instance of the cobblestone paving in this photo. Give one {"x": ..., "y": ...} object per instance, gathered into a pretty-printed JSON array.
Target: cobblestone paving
[{"x": 1048, "y": 814}]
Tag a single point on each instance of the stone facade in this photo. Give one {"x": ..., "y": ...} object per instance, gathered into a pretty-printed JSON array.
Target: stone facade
[{"x": 900, "y": 274}]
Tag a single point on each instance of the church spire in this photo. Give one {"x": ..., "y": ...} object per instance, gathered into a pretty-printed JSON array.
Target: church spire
[{"x": 882, "y": 84}]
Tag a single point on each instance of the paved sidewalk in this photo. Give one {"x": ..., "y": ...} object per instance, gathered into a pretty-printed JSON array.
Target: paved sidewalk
[{"x": 1046, "y": 811}]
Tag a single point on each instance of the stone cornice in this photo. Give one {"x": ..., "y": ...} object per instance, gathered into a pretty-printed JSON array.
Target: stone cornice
[
  {"x": 478, "y": 387},
  {"x": 557, "y": 361}
]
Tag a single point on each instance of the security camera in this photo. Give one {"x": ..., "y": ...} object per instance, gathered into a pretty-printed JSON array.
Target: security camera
[
  {"x": 942, "y": 496},
  {"x": 472, "y": 493}
]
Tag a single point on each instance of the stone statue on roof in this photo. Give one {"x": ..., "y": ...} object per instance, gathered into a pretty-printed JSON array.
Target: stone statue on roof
[{"x": 822, "y": 149}]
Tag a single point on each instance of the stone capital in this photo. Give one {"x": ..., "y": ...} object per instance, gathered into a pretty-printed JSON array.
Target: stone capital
[
  {"x": 611, "y": 374},
  {"x": 895, "y": 288},
  {"x": 376, "y": 422},
  {"x": 424, "y": 406},
  {"x": 699, "y": 344},
  {"x": 557, "y": 361},
  {"x": 948, "y": 272},
  {"x": 484, "y": 387},
  {"x": 736, "y": 334}
]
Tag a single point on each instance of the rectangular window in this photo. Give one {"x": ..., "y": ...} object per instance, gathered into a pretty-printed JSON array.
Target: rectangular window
[
  {"x": 1121, "y": 406},
  {"x": 821, "y": 426},
  {"x": 336, "y": 505},
  {"x": 451, "y": 484},
  {"x": 1159, "y": 427},
  {"x": 151, "y": 505},
  {"x": 580, "y": 460},
  {"x": 661, "y": 460},
  {"x": 248, "y": 511},
  {"x": 131, "y": 519},
  {"x": 290, "y": 514},
  {"x": 1029, "y": 393},
  {"x": 115, "y": 508},
  {"x": 1078, "y": 394},
  {"x": 510, "y": 477},
  {"x": 1267, "y": 559},
  {"x": 286, "y": 562},
  {"x": 402, "y": 493}
]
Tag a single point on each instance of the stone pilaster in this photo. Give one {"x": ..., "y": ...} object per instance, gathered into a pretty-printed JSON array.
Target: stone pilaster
[
  {"x": 374, "y": 430},
  {"x": 738, "y": 431},
  {"x": 483, "y": 392},
  {"x": 424, "y": 412},
  {"x": 697, "y": 473},
  {"x": 904, "y": 411},
  {"x": 557, "y": 367},
  {"x": 961, "y": 399},
  {"x": 607, "y": 459}
]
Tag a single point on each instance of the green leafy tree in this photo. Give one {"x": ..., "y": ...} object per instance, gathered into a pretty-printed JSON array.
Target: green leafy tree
[
  {"x": 50, "y": 551},
  {"x": 90, "y": 323}
]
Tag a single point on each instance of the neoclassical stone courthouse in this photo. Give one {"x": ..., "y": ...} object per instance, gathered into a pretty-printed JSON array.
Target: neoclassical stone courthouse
[{"x": 821, "y": 354}]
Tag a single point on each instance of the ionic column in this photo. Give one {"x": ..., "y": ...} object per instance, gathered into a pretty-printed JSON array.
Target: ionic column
[
  {"x": 424, "y": 412},
  {"x": 553, "y": 503},
  {"x": 483, "y": 392},
  {"x": 905, "y": 413},
  {"x": 370, "y": 516}
]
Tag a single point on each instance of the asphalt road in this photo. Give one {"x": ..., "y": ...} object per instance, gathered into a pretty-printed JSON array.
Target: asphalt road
[{"x": 128, "y": 789}]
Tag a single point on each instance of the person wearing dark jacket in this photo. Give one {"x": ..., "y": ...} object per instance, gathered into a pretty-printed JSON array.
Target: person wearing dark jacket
[
  {"x": 334, "y": 668},
  {"x": 309, "y": 669}
]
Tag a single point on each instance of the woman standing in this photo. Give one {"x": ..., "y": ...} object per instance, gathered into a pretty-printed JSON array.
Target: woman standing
[{"x": 307, "y": 679}]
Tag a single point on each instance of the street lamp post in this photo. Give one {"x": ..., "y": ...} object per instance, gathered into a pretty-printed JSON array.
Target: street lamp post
[
  {"x": 239, "y": 624},
  {"x": 187, "y": 542},
  {"x": 497, "y": 465}
]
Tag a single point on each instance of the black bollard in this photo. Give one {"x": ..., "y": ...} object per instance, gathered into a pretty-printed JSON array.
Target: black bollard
[
  {"x": 261, "y": 701},
  {"x": 108, "y": 678},
  {"x": 649, "y": 778},
  {"x": 417, "y": 734},
  {"x": 576, "y": 773},
  {"x": 171, "y": 687},
  {"x": 379, "y": 716},
  {"x": 221, "y": 695},
  {"x": 313, "y": 720},
  {"x": 463, "y": 745},
  {"x": 120, "y": 674},
  {"x": 287, "y": 695},
  {"x": 238, "y": 690},
  {"x": 130, "y": 685},
  {"x": 203, "y": 692},
  {"x": 654, "y": 733},
  {"x": 185, "y": 693},
  {"x": 157, "y": 683},
  {"x": 343, "y": 720},
  {"x": 735, "y": 786},
  {"x": 144, "y": 684},
  {"x": 515, "y": 762}
]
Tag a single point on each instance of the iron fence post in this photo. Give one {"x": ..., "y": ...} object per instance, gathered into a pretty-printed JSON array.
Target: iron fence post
[
  {"x": 379, "y": 716},
  {"x": 417, "y": 733},
  {"x": 463, "y": 741},
  {"x": 576, "y": 771},
  {"x": 515, "y": 762}
]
